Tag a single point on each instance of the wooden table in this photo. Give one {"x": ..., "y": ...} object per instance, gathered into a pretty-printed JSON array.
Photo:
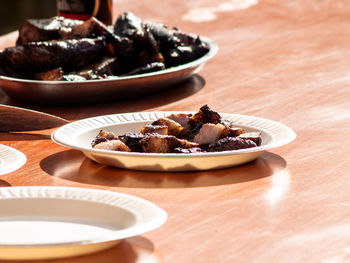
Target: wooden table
[{"x": 287, "y": 61}]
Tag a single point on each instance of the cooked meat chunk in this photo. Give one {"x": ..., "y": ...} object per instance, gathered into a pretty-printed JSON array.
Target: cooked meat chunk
[
  {"x": 151, "y": 67},
  {"x": 123, "y": 49},
  {"x": 120, "y": 47},
  {"x": 105, "y": 67},
  {"x": 176, "y": 47},
  {"x": 187, "y": 144},
  {"x": 90, "y": 28},
  {"x": 159, "y": 129},
  {"x": 38, "y": 56},
  {"x": 209, "y": 133},
  {"x": 184, "y": 54},
  {"x": 230, "y": 143},
  {"x": 103, "y": 136},
  {"x": 112, "y": 145},
  {"x": 54, "y": 74},
  {"x": 132, "y": 141},
  {"x": 188, "y": 150},
  {"x": 97, "y": 71},
  {"x": 231, "y": 132},
  {"x": 128, "y": 25},
  {"x": 8, "y": 71},
  {"x": 182, "y": 119},
  {"x": 144, "y": 44},
  {"x": 254, "y": 136},
  {"x": 174, "y": 128},
  {"x": 34, "y": 30},
  {"x": 205, "y": 115},
  {"x": 162, "y": 34},
  {"x": 155, "y": 143}
]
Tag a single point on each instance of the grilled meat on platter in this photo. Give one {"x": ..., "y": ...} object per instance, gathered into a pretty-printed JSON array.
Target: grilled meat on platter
[{"x": 69, "y": 50}]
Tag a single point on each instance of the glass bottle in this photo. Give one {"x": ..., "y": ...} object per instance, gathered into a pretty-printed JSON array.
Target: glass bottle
[{"x": 84, "y": 9}]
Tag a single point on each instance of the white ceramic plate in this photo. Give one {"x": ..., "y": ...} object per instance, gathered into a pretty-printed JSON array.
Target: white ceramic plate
[
  {"x": 79, "y": 135},
  {"x": 51, "y": 222},
  {"x": 65, "y": 92},
  {"x": 10, "y": 159}
]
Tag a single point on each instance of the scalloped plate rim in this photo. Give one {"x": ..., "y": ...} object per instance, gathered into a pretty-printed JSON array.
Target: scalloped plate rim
[
  {"x": 20, "y": 159},
  {"x": 290, "y": 138},
  {"x": 157, "y": 221}
]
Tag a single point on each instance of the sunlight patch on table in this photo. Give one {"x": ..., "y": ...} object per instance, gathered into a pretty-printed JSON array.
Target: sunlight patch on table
[
  {"x": 206, "y": 14},
  {"x": 279, "y": 187}
]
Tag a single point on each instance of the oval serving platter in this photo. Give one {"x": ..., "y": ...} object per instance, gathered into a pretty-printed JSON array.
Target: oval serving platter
[
  {"x": 68, "y": 92},
  {"x": 44, "y": 222},
  {"x": 79, "y": 135}
]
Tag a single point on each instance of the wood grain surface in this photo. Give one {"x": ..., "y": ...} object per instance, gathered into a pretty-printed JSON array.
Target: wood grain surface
[{"x": 288, "y": 61}]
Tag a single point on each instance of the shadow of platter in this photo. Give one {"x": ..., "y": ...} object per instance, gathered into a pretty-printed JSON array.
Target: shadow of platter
[
  {"x": 138, "y": 102},
  {"x": 3, "y": 183},
  {"x": 72, "y": 165}
]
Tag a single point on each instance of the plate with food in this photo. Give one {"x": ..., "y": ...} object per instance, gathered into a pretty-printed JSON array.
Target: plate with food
[
  {"x": 45, "y": 222},
  {"x": 61, "y": 60},
  {"x": 10, "y": 159},
  {"x": 173, "y": 141}
]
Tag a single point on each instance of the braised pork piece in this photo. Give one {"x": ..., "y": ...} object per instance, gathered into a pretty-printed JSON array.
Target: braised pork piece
[
  {"x": 67, "y": 50},
  {"x": 203, "y": 131},
  {"x": 52, "y": 54},
  {"x": 35, "y": 30}
]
